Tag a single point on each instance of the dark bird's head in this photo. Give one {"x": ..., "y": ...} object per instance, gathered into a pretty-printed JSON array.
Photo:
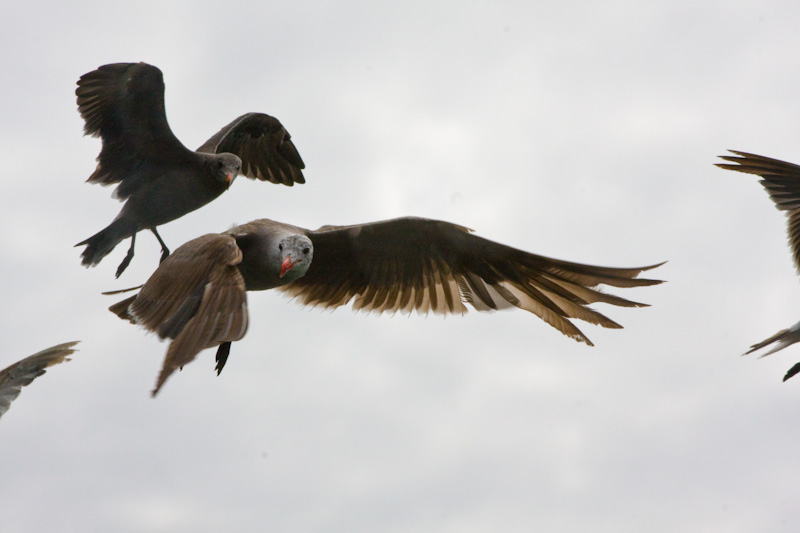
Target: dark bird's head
[
  {"x": 225, "y": 167},
  {"x": 295, "y": 253}
]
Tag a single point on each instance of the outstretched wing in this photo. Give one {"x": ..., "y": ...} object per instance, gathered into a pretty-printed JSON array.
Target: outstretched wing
[
  {"x": 264, "y": 146},
  {"x": 782, "y": 182},
  {"x": 426, "y": 265},
  {"x": 22, "y": 373},
  {"x": 196, "y": 297},
  {"x": 123, "y": 104}
]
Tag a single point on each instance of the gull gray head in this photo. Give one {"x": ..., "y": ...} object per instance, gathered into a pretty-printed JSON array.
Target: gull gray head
[{"x": 295, "y": 253}]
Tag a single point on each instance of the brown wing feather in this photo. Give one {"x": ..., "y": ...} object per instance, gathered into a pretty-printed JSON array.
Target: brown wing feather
[
  {"x": 23, "y": 372},
  {"x": 221, "y": 317},
  {"x": 264, "y": 146},
  {"x": 196, "y": 297},
  {"x": 123, "y": 103},
  {"x": 427, "y": 265},
  {"x": 179, "y": 278},
  {"x": 781, "y": 181}
]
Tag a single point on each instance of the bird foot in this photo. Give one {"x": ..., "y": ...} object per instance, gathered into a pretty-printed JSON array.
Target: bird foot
[
  {"x": 222, "y": 356},
  {"x": 125, "y": 262}
]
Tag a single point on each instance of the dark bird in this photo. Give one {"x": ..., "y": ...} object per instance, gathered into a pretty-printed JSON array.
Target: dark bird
[
  {"x": 197, "y": 296},
  {"x": 22, "y": 373},
  {"x": 782, "y": 182},
  {"x": 159, "y": 178}
]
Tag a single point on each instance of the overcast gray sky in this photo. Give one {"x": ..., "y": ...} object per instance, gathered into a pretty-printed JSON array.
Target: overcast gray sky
[{"x": 585, "y": 131}]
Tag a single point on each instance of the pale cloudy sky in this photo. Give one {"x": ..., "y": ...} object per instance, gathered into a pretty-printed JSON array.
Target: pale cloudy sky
[{"x": 585, "y": 131}]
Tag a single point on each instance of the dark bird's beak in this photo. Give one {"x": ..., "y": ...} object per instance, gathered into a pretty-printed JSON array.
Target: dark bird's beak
[{"x": 287, "y": 265}]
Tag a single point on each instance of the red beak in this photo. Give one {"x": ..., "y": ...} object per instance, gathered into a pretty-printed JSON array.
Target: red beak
[
  {"x": 228, "y": 180},
  {"x": 287, "y": 265}
]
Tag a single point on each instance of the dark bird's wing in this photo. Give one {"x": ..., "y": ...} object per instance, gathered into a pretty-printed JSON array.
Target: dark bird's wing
[
  {"x": 425, "y": 265},
  {"x": 22, "y": 373},
  {"x": 123, "y": 104},
  {"x": 264, "y": 146},
  {"x": 782, "y": 182},
  {"x": 196, "y": 297}
]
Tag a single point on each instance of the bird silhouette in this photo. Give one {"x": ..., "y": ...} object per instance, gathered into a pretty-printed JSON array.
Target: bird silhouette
[
  {"x": 23, "y": 372},
  {"x": 782, "y": 182},
  {"x": 160, "y": 179},
  {"x": 197, "y": 296}
]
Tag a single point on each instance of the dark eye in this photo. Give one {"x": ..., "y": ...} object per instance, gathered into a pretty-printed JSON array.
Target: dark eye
[
  {"x": 220, "y": 164},
  {"x": 306, "y": 250},
  {"x": 280, "y": 247}
]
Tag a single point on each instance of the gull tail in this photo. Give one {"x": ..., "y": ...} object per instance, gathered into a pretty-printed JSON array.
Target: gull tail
[{"x": 100, "y": 244}]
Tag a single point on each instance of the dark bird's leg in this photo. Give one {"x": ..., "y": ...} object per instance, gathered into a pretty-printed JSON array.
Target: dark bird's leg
[
  {"x": 164, "y": 249},
  {"x": 792, "y": 371},
  {"x": 127, "y": 261},
  {"x": 222, "y": 355}
]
